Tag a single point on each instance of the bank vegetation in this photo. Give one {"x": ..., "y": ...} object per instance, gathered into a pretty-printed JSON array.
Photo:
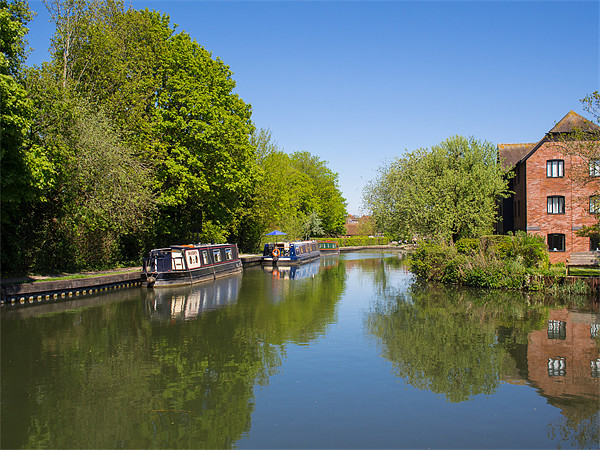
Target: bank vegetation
[{"x": 132, "y": 137}]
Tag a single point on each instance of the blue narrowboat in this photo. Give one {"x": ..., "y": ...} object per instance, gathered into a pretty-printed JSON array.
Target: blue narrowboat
[
  {"x": 188, "y": 264},
  {"x": 296, "y": 252}
]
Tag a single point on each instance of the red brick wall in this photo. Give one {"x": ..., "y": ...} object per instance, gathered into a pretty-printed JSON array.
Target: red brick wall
[{"x": 539, "y": 187}]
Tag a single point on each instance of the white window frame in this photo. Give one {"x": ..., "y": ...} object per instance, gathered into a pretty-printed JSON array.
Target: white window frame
[
  {"x": 555, "y": 168},
  {"x": 594, "y": 167},
  {"x": 555, "y": 204},
  {"x": 595, "y": 204}
]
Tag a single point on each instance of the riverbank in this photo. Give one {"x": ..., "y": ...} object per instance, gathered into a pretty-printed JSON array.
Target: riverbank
[
  {"x": 518, "y": 262},
  {"x": 35, "y": 288}
]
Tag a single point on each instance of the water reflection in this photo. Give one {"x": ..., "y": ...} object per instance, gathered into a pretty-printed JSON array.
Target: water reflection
[
  {"x": 298, "y": 272},
  {"x": 461, "y": 343},
  {"x": 137, "y": 372},
  {"x": 187, "y": 302}
]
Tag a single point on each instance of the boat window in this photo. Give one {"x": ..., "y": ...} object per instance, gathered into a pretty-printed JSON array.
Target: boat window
[
  {"x": 217, "y": 255},
  {"x": 205, "y": 257},
  {"x": 228, "y": 254},
  {"x": 193, "y": 259}
]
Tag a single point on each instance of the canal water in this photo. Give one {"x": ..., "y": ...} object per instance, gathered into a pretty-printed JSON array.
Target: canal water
[{"x": 346, "y": 352}]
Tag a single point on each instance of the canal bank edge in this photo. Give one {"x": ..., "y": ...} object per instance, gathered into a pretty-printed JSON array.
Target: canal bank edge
[{"x": 29, "y": 289}]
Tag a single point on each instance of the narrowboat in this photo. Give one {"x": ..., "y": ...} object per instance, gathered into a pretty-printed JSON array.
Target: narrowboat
[
  {"x": 329, "y": 247},
  {"x": 297, "y": 252},
  {"x": 188, "y": 264}
]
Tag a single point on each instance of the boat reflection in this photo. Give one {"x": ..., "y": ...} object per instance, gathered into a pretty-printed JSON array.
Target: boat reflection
[
  {"x": 308, "y": 270},
  {"x": 188, "y": 302}
]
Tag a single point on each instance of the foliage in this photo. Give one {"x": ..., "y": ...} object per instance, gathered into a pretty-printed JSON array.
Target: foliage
[
  {"x": 446, "y": 192},
  {"x": 295, "y": 193},
  {"x": 511, "y": 262},
  {"x": 358, "y": 241},
  {"x": 312, "y": 226}
]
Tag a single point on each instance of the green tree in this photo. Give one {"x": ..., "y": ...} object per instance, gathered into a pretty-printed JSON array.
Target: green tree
[
  {"x": 21, "y": 164},
  {"x": 446, "y": 192},
  {"x": 15, "y": 108},
  {"x": 203, "y": 157},
  {"x": 325, "y": 193}
]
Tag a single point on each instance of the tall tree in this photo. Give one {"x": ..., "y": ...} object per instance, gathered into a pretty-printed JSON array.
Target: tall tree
[
  {"x": 326, "y": 195},
  {"x": 446, "y": 192},
  {"x": 202, "y": 153}
]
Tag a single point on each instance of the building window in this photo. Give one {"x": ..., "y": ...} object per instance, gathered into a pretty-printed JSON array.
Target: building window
[
  {"x": 556, "y": 242},
  {"x": 555, "y": 168},
  {"x": 595, "y": 243},
  {"x": 595, "y": 366},
  {"x": 557, "y": 329},
  {"x": 594, "y": 167},
  {"x": 595, "y": 204},
  {"x": 557, "y": 367},
  {"x": 556, "y": 204}
]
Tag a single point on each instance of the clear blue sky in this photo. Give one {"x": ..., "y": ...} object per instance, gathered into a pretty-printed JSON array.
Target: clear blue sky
[{"x": 357, "y": 83}]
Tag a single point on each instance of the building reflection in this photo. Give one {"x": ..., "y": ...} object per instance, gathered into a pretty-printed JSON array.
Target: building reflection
[
  {"x": 563, "y": 360},
  {"x": 188, "y": 302}
]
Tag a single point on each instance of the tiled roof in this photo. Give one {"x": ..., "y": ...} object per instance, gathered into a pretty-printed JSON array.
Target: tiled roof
[
  {"x": 511, "y": 154},
  {"x": 573, "y": 121}
]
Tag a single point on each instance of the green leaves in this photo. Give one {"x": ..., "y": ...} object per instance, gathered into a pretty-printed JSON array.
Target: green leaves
[{"x": 446, "y": 192}]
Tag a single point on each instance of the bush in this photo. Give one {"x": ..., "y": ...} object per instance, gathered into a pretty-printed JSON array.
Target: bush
[
  {"x": 510, "y": 262},
  {"x": 358, "y": 241},
  {"x": 467, "y": 246},
  {"x": 429, "y": 260}
]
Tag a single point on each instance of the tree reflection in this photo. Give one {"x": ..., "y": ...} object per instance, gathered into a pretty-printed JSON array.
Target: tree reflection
[
  {"x": 113, "y": 376},
  {"x": 446, "y": 340}
]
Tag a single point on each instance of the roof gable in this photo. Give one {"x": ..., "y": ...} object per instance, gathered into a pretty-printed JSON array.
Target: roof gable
[
  {"x": 513, "y": 154},
  {"x": 574, "y": 122}
]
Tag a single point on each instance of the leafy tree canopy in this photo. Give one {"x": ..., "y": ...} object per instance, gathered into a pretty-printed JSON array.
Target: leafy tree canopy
[{"x": 446, "y": 192}]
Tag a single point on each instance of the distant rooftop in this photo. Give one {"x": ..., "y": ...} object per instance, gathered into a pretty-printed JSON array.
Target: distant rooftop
[{"x": 511, "y": 154}]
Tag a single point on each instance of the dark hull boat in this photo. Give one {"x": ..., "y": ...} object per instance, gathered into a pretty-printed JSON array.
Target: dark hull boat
[
  {"x": 297, "y": 252},
  {"x": 181, "y": 265}
]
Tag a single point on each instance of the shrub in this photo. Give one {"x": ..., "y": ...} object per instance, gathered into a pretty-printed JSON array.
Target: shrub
[
  {"x": 429, "y": 260},
  {"x": 467, "y": 246}
]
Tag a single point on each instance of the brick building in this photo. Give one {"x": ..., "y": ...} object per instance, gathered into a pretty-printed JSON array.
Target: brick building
[{"x": 549, "y": 199}]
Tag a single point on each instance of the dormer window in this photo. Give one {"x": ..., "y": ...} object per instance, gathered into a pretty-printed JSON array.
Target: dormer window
[{"x": 555, "y": 168}]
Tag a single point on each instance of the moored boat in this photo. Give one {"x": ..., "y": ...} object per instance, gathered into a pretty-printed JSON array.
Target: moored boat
[
  {"x": 296, "y": 252},
  {"x": 329, "y": 247},
  {"x": 188, "y": 264}
]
